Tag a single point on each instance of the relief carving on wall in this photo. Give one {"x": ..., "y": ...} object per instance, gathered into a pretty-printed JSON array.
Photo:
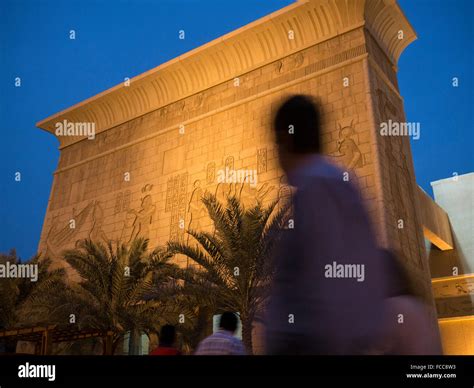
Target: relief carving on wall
[
  {"x": 453, "y": 287},
  {"x": 108, "y": 138},
  {"x": 171, "y": 186},
  {"x": 138, "y": 221},
  {"x": 464, "y": 288},
  {"x": 192, "y": 103},
  {"x": 454, "y": 307},
  {"x": 196, "y": 208},
  {"x": 261, "y": 160},
  {"x": 126, "y": 200},
  {"x": 210, "y": 173},
  {"x": 198, "y": 101},
  {"x": 290, "y": 63},
  {"x": 249, "y": 195},
  {"x": 176, "y": 193},
  {"x": 96, "y": 233},
  {"x": 225, "y": 189},
  {"x": 164, "y": 111},
  {"x": 348, "y": 153},
  {"x": 59, "y": 236},
  {"x": 122, "y": 201},
  {"x": 229, "y": 163},
  {"x": 401, "y": 185},
  {"x": 118, "y": 202}
]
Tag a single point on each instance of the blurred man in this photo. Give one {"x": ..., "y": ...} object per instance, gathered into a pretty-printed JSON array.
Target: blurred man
[
  {"x": 407, "y": 326},
  {"x": 327, "y": 295},
  {"x": 167, "y": 342},
  {"x": 223, "y": 342}
]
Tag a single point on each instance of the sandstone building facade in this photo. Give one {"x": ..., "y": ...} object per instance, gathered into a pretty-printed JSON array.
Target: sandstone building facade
[{"x": 162, "y": 138}]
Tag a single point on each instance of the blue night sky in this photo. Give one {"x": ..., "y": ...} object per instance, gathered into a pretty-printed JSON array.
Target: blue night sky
[{"x": 117, "y": 39}]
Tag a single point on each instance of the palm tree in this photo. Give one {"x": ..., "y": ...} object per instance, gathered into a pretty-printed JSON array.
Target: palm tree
[
  {"x": 122, "y": 288},
  {"x": 24, "y": 302},
  {"x": 234, "y": 264}
]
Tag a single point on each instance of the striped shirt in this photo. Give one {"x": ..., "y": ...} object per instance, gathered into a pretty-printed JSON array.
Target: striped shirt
[{"x": 221, "y": 343}]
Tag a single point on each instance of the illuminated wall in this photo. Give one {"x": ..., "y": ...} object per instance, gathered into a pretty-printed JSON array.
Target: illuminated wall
[
  {"x": 457, "y": 335},
  {"x": 163, "y": 138}
]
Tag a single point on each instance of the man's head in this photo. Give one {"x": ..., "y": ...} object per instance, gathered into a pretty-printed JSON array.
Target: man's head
[
  {"x": 228, "y": 321},
  {"x": 167, "y": 335},
  {"x": 297, "y": 129}
]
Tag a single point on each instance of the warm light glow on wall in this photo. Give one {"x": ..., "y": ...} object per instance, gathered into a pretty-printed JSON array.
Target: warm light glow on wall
[{"x": 457, "y": 335}]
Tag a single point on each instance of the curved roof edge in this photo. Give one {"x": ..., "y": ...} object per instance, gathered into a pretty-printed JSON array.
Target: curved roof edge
[{"x": 251, "y": 46}]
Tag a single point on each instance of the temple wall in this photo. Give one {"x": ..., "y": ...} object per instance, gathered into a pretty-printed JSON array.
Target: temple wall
[
  {"x": 191, "y": 118},
  {"x": 173, "y": 154},
  {"x": 145, "y": 177}
]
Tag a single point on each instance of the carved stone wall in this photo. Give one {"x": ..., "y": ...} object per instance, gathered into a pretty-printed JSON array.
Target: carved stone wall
[
  {"x": 145, "y": 177},
  {"x": 398, "y": 191}
]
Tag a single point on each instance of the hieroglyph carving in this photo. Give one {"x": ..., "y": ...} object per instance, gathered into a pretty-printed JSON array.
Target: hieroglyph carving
[
  {"x": 401, "y": 187},
  {"x": 348, "y": 153},
  {"x": 176, "y": 193},
  {"x": 61, "y": 235},
  {"x": 138, "y": 222}
]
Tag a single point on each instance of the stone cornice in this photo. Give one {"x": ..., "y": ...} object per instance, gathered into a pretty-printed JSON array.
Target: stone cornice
[
  {"x": 247, "y": 48},
  {"x": 356, "y": 54}
]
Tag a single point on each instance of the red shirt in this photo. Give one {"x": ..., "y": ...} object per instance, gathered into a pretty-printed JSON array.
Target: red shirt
[{"x": 165, "y": 351}]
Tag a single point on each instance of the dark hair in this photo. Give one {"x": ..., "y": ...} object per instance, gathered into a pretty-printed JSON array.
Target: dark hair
[
  {"x": 228, "y": 321},
  {"x": 302, "y": 113},
  {"x": 167, "y": 335},
  {"x": 398, "y": 280}
]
